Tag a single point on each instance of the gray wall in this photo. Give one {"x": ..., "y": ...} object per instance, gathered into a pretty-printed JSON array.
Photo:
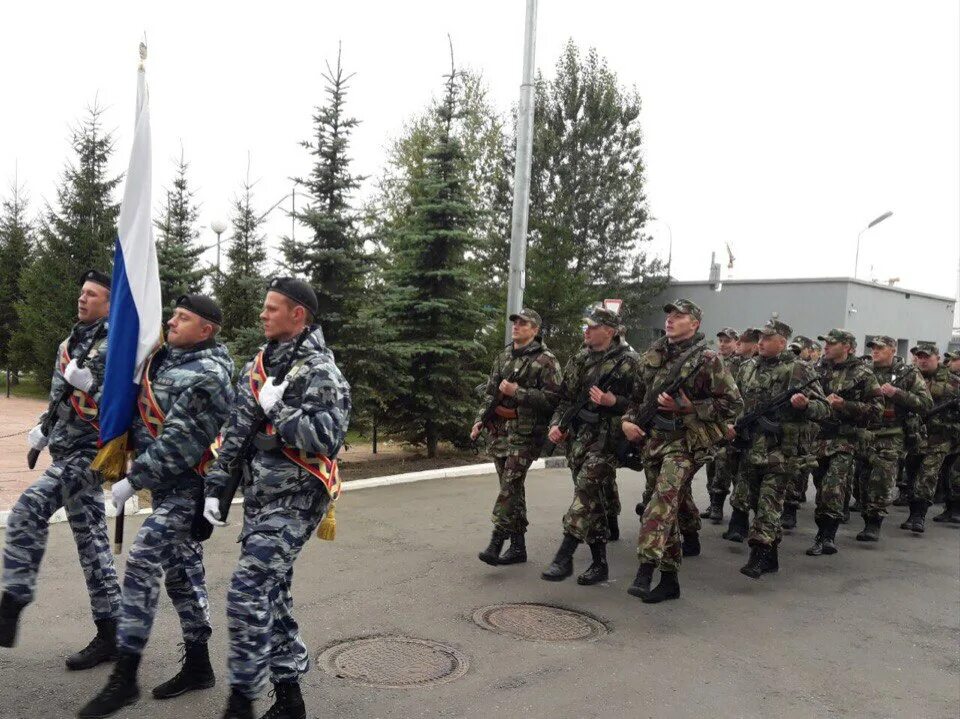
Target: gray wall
[{"x": 813, "y": 306}]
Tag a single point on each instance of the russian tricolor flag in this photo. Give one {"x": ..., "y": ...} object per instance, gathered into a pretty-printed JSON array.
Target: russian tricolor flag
[{"x": 135, "y": 309}]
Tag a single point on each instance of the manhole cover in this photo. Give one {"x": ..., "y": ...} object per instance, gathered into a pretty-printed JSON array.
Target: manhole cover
[
  {"x": 539, "y": 621},
  {"x": 393, "y": 662}
]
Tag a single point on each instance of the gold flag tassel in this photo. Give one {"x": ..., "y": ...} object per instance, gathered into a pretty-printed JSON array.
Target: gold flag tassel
[
  {"x": 111, "y": 460},
  {"x": 328, "y": 525}
]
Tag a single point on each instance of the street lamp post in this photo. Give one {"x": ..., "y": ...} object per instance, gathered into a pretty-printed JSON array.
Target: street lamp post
[
  {"x": 218, "y": 226},
  {"x": 876, "y": 221}
]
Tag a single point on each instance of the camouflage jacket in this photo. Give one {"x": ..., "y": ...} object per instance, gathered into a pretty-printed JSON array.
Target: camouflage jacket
[
  {"x": 536, "y": 370},
  {"x": 312, "y": 416},
  {"x": 70, "y": 433},
  {"x": 843, "y": 429},
  {"x": 912, "y": 397},
  {"x": 585, "y": 369},
  {"x": 764, "y": 378},
  {"x": 712, "y": 390},
  {"x": 943, "y": 385},
  {"x": 192, "y": 387}
]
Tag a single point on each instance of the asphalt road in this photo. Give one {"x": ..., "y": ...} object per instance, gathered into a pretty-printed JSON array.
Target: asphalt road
[{"x": 873, "y": 631}]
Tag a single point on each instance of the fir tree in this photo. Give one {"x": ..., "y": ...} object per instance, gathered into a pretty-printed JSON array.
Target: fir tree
[
  {"x": 78, "y": 234},
  {"x": 178, "y": 254},
  {"x": 16, "y": 250}
]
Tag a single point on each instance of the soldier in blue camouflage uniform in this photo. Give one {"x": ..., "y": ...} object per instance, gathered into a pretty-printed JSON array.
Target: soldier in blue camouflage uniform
[
  {"x": 591, "y": 436},
  {"x": 68, "y": 483},
  {"x": 522, "y": 391},
  {"x": 188, "y": 381},
  {"x": 283, "y": 503}
]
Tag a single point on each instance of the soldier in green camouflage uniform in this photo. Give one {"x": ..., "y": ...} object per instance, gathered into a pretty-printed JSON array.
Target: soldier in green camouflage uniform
[
  {"x": 904, "y": 393},
  {"x": 854, "y": 396},
  {"x": 522, "y": 392},
  {"x": 688, "y": 424},
  {"x": 806, "y": 458},
  {"x": 943, "y": 431},
  {"x": 951, "y": 510},
  {"x": 722, "y": 468},
  {"x": 771, "y": 448},
  {"x": 596, "y": 387}
]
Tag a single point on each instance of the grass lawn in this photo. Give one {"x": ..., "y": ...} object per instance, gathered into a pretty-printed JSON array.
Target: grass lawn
[{"x": 27, "y": 387}]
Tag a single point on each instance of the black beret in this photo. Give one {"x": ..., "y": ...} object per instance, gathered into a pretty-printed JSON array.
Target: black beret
[
  {"x": 96, "y": 276},
  {"x": 203, "y": 306},
  {"x": 297, "y": 290}
]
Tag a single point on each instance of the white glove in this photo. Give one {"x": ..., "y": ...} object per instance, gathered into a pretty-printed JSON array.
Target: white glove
[
  {"x": 270, "y": 394},
  {"x": 79, "y": 377},
  {"x": 36, "y": 438},
  {"x": 211, "y": 511},
  {"x": 121, "y": 492}
]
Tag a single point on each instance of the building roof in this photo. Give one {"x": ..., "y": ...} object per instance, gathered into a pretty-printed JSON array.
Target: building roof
[{"x": 816, "y": 281}]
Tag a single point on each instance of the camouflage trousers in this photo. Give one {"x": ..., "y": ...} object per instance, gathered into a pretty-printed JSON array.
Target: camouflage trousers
[
  {"x": 595, "y": 497},
  {"x": 688, "y": 514},
  {"x": 659, "y": 541},
  {"x": 163, "y": 546},
  {"x": 832, "y": 480},
  {"x": 880, "y": 475},
  {"x": 510, "y": 510},
  {"x": 765, "y": 488},
  {"x": 66, "y": 483},
  {"x": 726, "y": 463},
  {"x": 264, "y": 637},
  {"x": 954, "y": 477},
  {"x": 799, "y": 479},
  {"x": 934, "y": 454}
]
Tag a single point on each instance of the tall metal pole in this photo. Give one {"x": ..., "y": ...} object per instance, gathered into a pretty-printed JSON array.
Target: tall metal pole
[{"x": 521, "y": 175}]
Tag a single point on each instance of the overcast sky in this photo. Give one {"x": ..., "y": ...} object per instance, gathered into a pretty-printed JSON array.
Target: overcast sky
[{"x": 781, "y": 128}]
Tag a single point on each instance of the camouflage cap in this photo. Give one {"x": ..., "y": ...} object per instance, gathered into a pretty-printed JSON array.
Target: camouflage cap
[
  {"x": 838, "y": 335},
  {"x": 925, "y": 348},
  {"x": 751, "y": 334},
  {"x": 684, "y": 306},
  {"x": 804, "y": 341},
  {"x": 881, "y": 341},
  {"x": 528, "y": 315},
  {"x": 950, "y": 356},
  {"x": 603, "y": 316},
  {"x": 776, "y": 327},
  {"x": 729, "y": 333}
]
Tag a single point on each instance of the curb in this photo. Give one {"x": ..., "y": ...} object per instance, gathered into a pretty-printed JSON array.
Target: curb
[{"x": 132, "y": 507}]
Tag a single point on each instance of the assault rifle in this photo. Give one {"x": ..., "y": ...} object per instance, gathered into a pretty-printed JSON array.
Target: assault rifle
[
  {"x": 53, "y": 411},
  {"x": 763, "y": 418},
  {"x": 946, "y": 405}
]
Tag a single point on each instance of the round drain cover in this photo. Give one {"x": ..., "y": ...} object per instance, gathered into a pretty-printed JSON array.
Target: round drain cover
[
  {"x": 539, "y": 622},
  {"x": 393, "y": 662}
]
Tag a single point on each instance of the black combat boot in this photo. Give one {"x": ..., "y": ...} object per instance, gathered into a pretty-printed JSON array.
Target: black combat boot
[
  {"x": 759, "y": 555},
  {"x": 102, "y": 648},
  {"x": 613, "y": 526},
  {"x": 195, "y": 674},
  {"x": 121, "y": 690},
  {"x": 950, "y": 513},
  {"x": 705, "y": 514},
  {"x": 668, "y": 588},
  {"x": 830, "y": 527},
  {"x": 918, "y": 510},
  {"x": 871, "y": 529},
  {"x": 10, "y": 609},
  {"x": 716, "y": 508},
  {"x": 517, "y": 551},
  {"x": 641, "y": 584},
  {"x": 491, "y": 555},
  {"x": 598, "y": 571},
  {"x": 691, "y": 544},
  {"x": 562, "y": 566},
  {"x": 817, "y": 549},
  {"x": 639, "y": 508},
  {"x": 288, "y": 703},
  {"x": 772, "y": 564},
  {"x": 238, "y": 707},
  {"x": 739, "y": 526},
  {"x": 908, "y": 522},
  {"x": 788, "y": 518}
]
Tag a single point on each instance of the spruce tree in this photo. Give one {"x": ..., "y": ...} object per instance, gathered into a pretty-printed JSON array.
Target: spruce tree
[
  {"x": 178, "y": 254},
  {"x": 80, "y": 233},
  {"x": 428, "y": 302},
  {"x": 16, "y": 249}
]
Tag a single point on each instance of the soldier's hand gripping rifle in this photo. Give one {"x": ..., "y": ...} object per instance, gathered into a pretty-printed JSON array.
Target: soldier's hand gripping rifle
[
  {"x": 239, "y": 467},
  {"x": 494, "y": 409},
  {"x": 53, "y": 411},
  {"x": 764, "y": 417}
]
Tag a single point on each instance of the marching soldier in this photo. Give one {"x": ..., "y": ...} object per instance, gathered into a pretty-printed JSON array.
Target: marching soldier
[
  {"x": 522, "y": 392},
  {"x": 768, "y": 465},
  {"x": 853, "y": 394},
  {"x": 951, "y": 509},
  {"x": 593, "y": 394},
  {"x": 287, "y": 434},
  {"x": 718, "y": 484},
  {"x": 805, "y": 461},
  {"x": 689, "y": 423},
  {"x": 943, "y": 430},
  {"x": 72, "y": 434},
  {"x": 185, "y": 395},
  {"x": 904, "y": 392}
]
